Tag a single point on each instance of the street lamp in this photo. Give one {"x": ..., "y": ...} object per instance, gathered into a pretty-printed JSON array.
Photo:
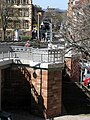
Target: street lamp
[
  {"x": 39, "y": 14},
  {"x": 51, "y": 31}
]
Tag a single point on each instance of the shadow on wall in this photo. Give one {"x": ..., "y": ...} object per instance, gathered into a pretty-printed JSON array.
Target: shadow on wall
[
  {"x": 18, "y": 92},
  {"x": 37, "y": 101},
  {"x": 75, "y": 101},
  {"x": 66, "y": 74}
]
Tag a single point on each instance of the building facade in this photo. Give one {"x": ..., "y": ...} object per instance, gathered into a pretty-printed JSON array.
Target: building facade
[{"x": 19, "y": 18}]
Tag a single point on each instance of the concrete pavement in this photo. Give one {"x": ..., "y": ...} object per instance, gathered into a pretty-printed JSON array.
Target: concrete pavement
[
  {"x": 26, "y": 116},
  {"x": 74, "y": 117}
]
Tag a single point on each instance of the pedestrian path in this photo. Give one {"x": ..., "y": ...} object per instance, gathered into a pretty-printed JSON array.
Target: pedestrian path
[
  {"x": 74, "y": 117},
  {"x": 27, "y": 116},
  {"x": 24, "y": 115}
]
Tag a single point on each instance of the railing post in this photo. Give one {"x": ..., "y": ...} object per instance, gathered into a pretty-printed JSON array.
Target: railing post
[
  {"x": 48, "y": 56},
  {"x": 2, "y": 56},
  {"x": 54, "y": 57},
  {"x": 8, "y": 54},
  {"x": 41, "y": 58},
  {"x": 15, "y": 55}
]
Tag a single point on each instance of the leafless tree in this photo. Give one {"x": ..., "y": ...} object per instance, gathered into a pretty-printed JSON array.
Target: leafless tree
[
  {"x": 57, "y": 18},
  {"x": 76, "y": 30},
  {"x": 4, "y": 15},
  {"x": 6, "y": 11}
]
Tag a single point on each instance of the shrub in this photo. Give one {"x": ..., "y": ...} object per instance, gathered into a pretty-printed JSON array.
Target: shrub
[{"x": 25, "y": 38}]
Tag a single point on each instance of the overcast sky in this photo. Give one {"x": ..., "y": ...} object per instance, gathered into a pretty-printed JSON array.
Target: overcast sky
[{"x": 62, "y": 4}]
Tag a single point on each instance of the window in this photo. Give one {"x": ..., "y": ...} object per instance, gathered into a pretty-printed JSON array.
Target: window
[
  {"x": 17, "y": 24},
  {"x": 25, "y": 1},
  {"x": 26, "y": 13},
  {"x": 15, "y": 11},
  {"x": 19, "y": 2},
  {"x": 9, "y": 1},
  {"x": 15, "y": 1},
  {"x": 10, "y": 12},
  {"x": 88, "y": 71},
  {"x": 10, "y": 24},
  {"x": 25, "y": 24},
  {"x": 20, "y": 12}
]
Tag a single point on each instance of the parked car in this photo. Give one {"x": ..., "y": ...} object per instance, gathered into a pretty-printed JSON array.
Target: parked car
[
  {"x": 87, "y": 82},
  {"x": 86, "y": 77},
  {"x": 5, "y": 116}
]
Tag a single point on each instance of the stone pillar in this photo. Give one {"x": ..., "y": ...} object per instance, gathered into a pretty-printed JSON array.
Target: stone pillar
[
  {"x": 0, "y": 89},
  {"x": 75, "y": 69},
  {"x": 54, "y": 90},
  {"x": 46, "y": 89}
]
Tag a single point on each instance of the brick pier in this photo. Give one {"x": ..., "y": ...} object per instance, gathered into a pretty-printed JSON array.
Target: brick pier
[{"x": 40, "y": 89}]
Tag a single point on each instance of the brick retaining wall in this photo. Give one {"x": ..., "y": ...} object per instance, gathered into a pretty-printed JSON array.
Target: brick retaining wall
[
  {"x": 39, "y": 89},
  {"x": 73, "y": 68},
  {"x": 46, "y": 90},
  {"x": 75, "y": 71}
]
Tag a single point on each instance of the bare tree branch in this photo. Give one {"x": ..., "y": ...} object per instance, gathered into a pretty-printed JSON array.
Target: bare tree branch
[{"x": 76, "y": 29}]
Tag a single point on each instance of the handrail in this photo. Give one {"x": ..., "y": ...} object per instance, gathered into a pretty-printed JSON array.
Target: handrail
[{"x": 36, "y": 55}]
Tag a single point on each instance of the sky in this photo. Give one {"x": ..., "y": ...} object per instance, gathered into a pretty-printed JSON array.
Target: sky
[{"x": 61, "y": 4}]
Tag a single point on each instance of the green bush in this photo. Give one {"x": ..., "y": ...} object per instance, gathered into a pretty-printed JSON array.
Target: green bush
[{"x": 25, "y": 38}]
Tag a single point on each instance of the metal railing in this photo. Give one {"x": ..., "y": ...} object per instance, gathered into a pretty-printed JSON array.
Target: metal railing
[
  {"x": 36, "y": 55},
  {"x": 5, "y": 55}
]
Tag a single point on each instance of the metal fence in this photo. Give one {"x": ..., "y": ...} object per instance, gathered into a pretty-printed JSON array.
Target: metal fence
[{"x": 36, "y": 55}]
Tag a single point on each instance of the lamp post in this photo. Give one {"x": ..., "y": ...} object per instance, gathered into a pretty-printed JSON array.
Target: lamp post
[
  {"x": 39, "y": 14},
  {"x": 51, "y": 31}
]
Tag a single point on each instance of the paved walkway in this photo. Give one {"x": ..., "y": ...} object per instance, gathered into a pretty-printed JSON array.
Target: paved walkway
[
  {"x": 74, "y": 117},
  {"x": 27, "y": 116}
]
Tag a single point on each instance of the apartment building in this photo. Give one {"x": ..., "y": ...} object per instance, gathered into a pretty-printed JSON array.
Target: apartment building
[{"x": 19, "y": 19}]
